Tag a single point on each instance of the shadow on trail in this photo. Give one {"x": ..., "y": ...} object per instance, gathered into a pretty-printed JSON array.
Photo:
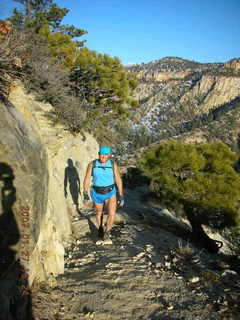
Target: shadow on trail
[
  {"x": 141, "y": 205},
  {"x": 92, "y": 227},
  {"x": 144, "y": 225},
  {"x": 140, "y": 208},
  {"x": 146, "y": 208}
]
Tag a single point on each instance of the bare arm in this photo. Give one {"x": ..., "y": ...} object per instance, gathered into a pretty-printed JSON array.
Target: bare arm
[
  {"x": 87, "y": 179},
  {"x": 118, "y": 180}
]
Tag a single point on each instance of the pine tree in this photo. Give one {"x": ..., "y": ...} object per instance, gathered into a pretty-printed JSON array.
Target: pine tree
[
  {"x": 200, "y": 179},
  {"x": 39, "y": 14},
  {"x": 100, "y": 82}
]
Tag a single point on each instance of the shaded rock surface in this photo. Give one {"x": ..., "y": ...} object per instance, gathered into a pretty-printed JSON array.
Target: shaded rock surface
[
  {"x": 24, "y": 187},
  {"x": 41, "y": 175},
  {"x": 66, "y": 158}
]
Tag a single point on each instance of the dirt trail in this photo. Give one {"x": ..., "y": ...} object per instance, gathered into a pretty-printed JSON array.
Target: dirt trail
[{"x": 147, "y": 273}]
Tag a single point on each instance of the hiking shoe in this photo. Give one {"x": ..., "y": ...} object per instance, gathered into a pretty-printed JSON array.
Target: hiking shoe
[
  {"x": 101, "y": 233},
  {"x": 99, "y": 242},
  {"x": 107, "y": 237}
]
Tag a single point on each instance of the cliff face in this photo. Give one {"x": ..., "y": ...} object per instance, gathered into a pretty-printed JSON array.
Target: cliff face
[
  {"x": 24, "y": 189},
  {"x": 212, "y": 92},
  {"x": 38, "y": 162},
  {"x": 175, "y": 94},
  {"x": 161, "y": 76}
]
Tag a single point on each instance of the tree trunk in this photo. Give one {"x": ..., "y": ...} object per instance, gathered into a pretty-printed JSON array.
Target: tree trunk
[{"x": 199, "y": 237}]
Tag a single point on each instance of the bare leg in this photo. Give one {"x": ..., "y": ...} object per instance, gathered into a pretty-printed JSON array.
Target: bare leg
[
  {"x": 112, "y": 204},
  {"x": 99, "y": 212}
]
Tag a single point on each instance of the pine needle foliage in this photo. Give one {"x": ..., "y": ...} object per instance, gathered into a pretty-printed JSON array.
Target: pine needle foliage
[
  {"x": 200, "y": 178},
  {"x": 93, "y": 91}
]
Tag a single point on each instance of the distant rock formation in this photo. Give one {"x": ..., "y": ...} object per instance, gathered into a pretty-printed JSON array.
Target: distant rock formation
[
  {"x": 177, "y": 95},
  {"x": 234, "y": 64}
]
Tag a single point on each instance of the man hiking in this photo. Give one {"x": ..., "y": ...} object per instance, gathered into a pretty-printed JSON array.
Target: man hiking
[{"x": 105, "y": 178}]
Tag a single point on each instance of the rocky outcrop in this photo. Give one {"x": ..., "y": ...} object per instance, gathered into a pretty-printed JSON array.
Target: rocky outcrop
[
  {"x": 66, "y": 158},
  {"x": 24, "y": 189},
  {"x": 234, "y": 65},
  {"x": 41, "y": 174},
  {"x": 162, "y": 76}
]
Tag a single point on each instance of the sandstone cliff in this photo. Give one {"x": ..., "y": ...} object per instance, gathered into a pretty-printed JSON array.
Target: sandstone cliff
[
  {"x": 212, "y": 91},
  {"x": 39, "y": 162},
  {"x": 176, "y": 95}
]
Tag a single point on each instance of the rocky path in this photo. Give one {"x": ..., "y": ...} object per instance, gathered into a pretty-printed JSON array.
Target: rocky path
[{"x": 148, "y": 273}]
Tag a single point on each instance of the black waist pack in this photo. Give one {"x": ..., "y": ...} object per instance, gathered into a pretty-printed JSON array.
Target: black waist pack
[{"x": 103, "y": 190}]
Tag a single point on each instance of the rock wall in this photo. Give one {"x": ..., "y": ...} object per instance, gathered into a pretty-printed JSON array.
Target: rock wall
[
  {"x": 48, "y": 165},
  {"x": 24, "y": 189}
]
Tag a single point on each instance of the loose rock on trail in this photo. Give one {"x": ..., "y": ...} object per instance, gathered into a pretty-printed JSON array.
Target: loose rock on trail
[{"x": 147, "y": 273}]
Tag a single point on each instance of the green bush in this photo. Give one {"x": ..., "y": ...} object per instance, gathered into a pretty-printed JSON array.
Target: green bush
[{"x": 198, "y": 178}]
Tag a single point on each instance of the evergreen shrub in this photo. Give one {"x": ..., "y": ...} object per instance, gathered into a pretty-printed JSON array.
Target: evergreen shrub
[{"x": 200, "y": 179}]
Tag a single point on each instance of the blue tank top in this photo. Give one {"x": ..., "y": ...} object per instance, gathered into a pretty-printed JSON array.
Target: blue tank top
[{"x": 103, "y": 174}]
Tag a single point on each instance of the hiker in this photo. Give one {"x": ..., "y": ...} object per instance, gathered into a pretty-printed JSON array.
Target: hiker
[{"x": 105, "y": 179}]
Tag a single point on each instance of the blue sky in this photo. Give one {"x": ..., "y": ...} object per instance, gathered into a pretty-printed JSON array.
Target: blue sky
[{"x": 144, "y": 30}]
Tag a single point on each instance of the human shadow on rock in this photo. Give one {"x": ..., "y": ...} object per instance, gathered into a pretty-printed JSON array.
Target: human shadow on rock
[
  {"x": 71, "y": 179},
  {"x": 15, "y": 297}
]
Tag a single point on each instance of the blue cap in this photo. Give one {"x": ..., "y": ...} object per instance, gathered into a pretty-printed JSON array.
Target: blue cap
[{"x": 104, "y": 150}]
